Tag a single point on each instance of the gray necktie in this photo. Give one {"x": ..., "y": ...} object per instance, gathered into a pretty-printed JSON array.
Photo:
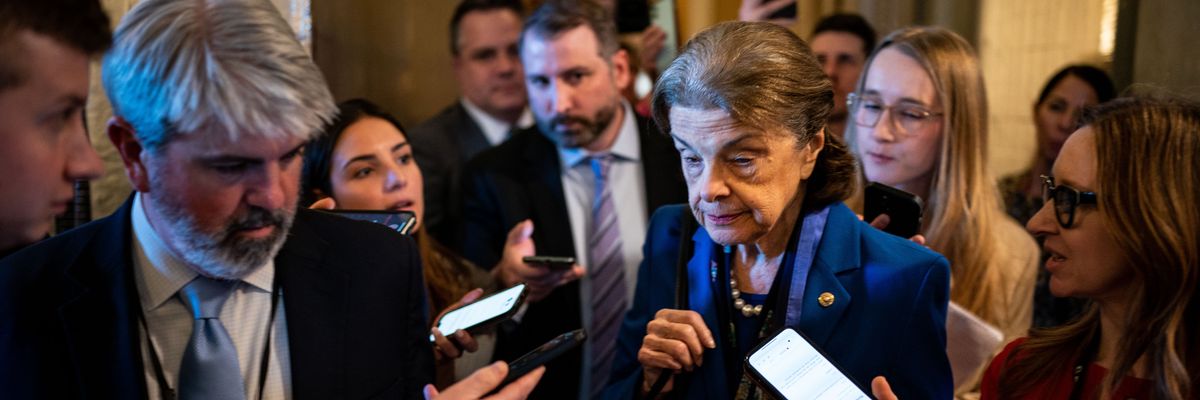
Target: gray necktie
[
  {"x": 607, "y": 273},
  {"x": 210, "y": 365}
]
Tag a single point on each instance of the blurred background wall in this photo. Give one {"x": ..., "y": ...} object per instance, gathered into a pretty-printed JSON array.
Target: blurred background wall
[{"x": 396, "y": 52}]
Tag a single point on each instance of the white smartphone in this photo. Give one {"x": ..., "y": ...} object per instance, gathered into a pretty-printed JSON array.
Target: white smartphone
[
  {"x": 792, "y": 368},
  {"x": 484, "y": 312}
]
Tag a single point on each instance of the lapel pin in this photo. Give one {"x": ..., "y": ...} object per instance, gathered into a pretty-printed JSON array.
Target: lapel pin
[{"x": 825, "y": 299}]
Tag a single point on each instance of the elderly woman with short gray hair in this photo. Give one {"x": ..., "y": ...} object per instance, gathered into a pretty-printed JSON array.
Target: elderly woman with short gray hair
[{"x": 765, "y": 242}]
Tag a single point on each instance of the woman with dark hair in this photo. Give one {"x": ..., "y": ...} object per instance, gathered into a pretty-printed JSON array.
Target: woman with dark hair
[
  {"x": 363, "y": 161},
  {"x": 765, "y": 241},
  {"x": 1121, "y": 227},
  {"x": 1055, "y": 114}
]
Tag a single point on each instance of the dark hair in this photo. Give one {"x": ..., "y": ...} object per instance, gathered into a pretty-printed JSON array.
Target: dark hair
[
  {"x": 853, "y": 24},
  {"x": 764, "y": 76},
  {"x": 470, "y": 6},
  {"x": 1094, "y": 77},
  {"x": 79, "y": 24},
  {"x": 557, "y": 16},
  {"x": 319, "y": 152}
]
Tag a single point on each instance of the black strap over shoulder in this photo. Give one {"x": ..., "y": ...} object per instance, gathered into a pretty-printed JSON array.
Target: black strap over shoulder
[{"x": 687, "y": 228}]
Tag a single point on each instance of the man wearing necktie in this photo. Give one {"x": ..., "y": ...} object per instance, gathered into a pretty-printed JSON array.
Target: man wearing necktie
[
  {"x": 586, "y": 178},
  {"x": 209, "y": 283}
]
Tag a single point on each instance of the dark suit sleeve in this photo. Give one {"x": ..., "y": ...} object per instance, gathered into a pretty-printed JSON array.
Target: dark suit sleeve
[
  {"x": 416, "y": 323},
  {"x": 438, "y": 174},
  {"x": 919, "y": 367},
  {"x": 483, "y": 233},
  {"x": 655, "y": 291}
]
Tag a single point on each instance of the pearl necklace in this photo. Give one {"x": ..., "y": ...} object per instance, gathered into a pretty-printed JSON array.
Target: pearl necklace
[{"x": 746, "y": 309}]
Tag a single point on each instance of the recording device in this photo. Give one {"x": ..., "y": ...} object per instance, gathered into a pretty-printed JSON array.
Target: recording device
[
  {"x": 543, "y": 354},
  {"x": 399, "y": 221},
  {"x": 903, "y": 209},
  {"x": 791, "y": 368},
  {"x": 552, "y": 262},
  {"x": 787, "y": 12},
  {"x": 484, "y": 312}
]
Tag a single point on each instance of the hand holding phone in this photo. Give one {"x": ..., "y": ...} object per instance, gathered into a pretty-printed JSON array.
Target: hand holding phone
[
  {"x": 791, "y": 368},
  {"x": 552, "y": 262},
  {"x": 903, "y": 209},
  {"x": 483, "y": 313},
  {"x": 544, "y": 354}
]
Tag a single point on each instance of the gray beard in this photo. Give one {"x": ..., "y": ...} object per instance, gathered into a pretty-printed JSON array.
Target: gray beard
[{"x": 222, "y": 255}]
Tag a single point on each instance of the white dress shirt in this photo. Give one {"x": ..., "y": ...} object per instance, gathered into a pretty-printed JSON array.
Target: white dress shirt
[
  {"x": 628, "y": 184},
  {"x": 160, "y": 275},
  {"x": 494, "y": 129}
]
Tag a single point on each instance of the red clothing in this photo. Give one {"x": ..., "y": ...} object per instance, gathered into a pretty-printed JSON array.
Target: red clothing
[{"x": 1059, "y": 385}]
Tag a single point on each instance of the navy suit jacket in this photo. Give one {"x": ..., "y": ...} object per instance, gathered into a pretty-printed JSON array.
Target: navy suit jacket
[
  {"x": 353, "y": 298},
  {"x": 442, "y": 145},
  {"x": 521, "y": 179},
  {"x": 888, "y": 316}
]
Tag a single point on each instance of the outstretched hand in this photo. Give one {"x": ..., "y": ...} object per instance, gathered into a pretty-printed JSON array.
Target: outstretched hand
[
  {"x": 539, "y": 280},
  {"x": 483, "y": 381}
]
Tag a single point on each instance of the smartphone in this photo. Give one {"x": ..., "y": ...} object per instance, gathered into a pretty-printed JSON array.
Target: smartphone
[
  {"x": 484, "y": 312},
  {"x": 399, "y": 221},
  {"x": 787, "y": 12},
  {"x": 791, "y": 368},
  {"x": 543, "y": 354},
  {"x": 552, "y": 262},
  {"x": 903, "y": 208}
]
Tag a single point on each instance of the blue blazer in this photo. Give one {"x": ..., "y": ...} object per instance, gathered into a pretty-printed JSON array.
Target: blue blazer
[{"x": 888, "y": 316}]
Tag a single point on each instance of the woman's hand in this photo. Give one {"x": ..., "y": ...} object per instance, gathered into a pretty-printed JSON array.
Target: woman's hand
[
  {"x": 539, "y": 280},
  {"x": 483, "y": 381},
  {"x": 675, "y": 340},
  {"x": 453, "y": 346},
  {"x": 881, "y": 389},
  {"x": 760, "y": 10}
]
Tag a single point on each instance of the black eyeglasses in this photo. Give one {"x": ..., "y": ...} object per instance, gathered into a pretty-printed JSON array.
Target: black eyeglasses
[{"x": 1066, "y": 199}]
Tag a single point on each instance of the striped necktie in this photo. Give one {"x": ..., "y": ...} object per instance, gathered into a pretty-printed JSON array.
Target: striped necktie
[{"x": 607, "y": 273}]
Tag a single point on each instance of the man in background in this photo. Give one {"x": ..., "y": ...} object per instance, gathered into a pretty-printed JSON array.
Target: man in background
[
  {"x": 483, "y": 43},
  {"x": 582, "y": 184},
  {"x": 842, "y": 43},
  {"x": 45, "y": 49}
]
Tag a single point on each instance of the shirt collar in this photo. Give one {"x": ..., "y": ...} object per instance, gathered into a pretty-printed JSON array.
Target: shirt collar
[
  {"x": 626, "y": 147},
  {"x": 495, "y": 129},
  {"x": 163, "y": 273}
]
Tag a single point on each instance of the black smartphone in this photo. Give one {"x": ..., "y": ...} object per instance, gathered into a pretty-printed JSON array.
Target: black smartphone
[
  {"x": 787, "y": 12},
  {"x": 400, "y": 221},
  {"x": 791, "y": 368},
  {"x": 483, "y": 313},
  {"x": 552, "y": 262},
  {"x": 903, "y": 209},
  {"x": 543, "y": 354}
]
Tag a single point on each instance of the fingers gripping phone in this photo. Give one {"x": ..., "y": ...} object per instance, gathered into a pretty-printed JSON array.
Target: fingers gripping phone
[
  {"x": 543, "y": 354},
  {"x": 791, "y": 368},
  {"x": 483, "y": 313},
  {"x": 400, "y": 221},
  {"x": 902, "y": 208}
]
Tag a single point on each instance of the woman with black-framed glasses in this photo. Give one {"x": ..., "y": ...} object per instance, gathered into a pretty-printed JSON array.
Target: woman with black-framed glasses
[{"x": 1121, "y": 225}]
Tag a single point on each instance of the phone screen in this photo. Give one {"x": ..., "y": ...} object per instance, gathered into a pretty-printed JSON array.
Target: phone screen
[
  {"x": 795, "y": 368},
  {"x": 480, "y": 311}
]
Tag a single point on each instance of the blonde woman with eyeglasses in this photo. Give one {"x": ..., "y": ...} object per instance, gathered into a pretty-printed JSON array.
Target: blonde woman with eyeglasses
[{"x": 919, "y": 123}]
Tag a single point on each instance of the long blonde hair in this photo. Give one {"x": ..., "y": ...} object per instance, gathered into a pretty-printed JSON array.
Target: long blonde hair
[
  {"x": 1147, "y": 154},
  {"x": 963, "y": 204}
]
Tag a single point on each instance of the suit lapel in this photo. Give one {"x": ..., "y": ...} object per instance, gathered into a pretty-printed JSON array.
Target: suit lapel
[
  {"x": 100, "y": 311},
  {"x": 838, "y": 252},
  {"x": 660, "y": 167},
  {"x": 315, "y": 305},
  {"x": 543, "y": 177},
  {"x": 468, "y": 133}
]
